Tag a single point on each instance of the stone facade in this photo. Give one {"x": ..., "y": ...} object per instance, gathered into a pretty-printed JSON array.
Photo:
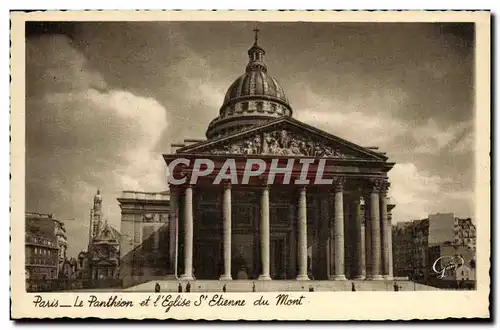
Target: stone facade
[
  {"x": 264, "y": 229},
  {"x": 62, "y": 243},
  {"x": 41, "y": 247},
  {"x": 145, "y": 242},
  {"x": 103, "y": 253}
]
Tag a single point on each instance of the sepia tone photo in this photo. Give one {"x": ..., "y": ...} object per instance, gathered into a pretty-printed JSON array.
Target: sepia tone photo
[{"x": 175, "y": 164}]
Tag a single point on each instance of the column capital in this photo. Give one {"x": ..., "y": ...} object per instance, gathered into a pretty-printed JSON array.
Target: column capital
[
  {"x": 226, "y": 184},
  {"x": 264, "y": 186},
  {"x": 338, "y": 183},
  {"x": 302, "y": 187},
  {"x": 377, "y": 185},
  {"x": 384, "y": 186}
]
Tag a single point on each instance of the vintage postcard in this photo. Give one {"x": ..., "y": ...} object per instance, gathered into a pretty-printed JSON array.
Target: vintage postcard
[{"x": 250, "y": 165}]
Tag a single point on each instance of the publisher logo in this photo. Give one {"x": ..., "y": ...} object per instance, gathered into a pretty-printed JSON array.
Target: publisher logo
[{"x": 447, "y": 265}]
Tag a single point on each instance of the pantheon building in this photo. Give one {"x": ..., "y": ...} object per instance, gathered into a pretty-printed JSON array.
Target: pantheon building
[{"x": 262, "y": 231}]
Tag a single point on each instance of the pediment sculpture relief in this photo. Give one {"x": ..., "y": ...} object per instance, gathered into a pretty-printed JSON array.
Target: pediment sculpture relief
[{"x": 280, "y": 142}]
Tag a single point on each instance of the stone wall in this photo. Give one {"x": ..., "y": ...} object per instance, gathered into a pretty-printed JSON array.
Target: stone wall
[{"x": 144, "y": 246}]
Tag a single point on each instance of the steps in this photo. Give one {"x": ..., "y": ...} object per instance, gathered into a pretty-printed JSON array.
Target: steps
[{"x": 278, "y": 286}]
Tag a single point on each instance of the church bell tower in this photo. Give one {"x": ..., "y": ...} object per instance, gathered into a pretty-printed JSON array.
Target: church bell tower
[{"x": 95, "y": 216}]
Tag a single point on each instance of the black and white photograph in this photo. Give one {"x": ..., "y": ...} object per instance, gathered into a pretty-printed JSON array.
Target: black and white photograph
[{"x": 282, "y": 159}]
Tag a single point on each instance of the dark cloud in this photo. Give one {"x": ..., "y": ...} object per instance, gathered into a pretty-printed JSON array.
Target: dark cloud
[{"x": 80, "y": 138}]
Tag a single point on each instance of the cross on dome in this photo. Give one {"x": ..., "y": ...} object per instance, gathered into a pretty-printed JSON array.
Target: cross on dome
[
  {"x": 256, "y": 30},
  {"x": 256, "y": 55},
  {"x": 252, "y": 98}
]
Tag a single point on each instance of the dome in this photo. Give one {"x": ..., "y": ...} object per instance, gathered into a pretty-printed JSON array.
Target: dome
[
  {"x": 256, "y": 84},
  {"x": 253, "y": 98}
]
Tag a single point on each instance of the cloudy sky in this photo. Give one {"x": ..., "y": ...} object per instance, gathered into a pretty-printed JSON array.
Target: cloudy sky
[{"x": 105, "y": 100}]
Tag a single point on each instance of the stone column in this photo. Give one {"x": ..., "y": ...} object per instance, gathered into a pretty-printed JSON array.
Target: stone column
[
  {"x": 264, "y": 233},
  {"x": 384, "y": 229},
  {"x": 226, "y": 215},
  {"x": 389, "y": 236},
  {"x": 376, "y": 251},
  {"x": 188, "y": 234},
  {"x": 173, "y": 222},
  {"x": 360, "y": 260},
  {"x": 338, "y": 227},
  {"x": 368, "y": 235},
  {"x": 302, "y": 239}
]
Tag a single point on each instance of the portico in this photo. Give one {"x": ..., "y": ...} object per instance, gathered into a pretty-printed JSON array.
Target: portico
[
  {"x": 268, "y": 197},
  {"x": 282, "y": 231}
]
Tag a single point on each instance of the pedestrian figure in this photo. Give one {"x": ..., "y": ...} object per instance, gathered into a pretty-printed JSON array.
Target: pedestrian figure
[
  {"x": 179, "y": 287},
  {"x": 224, "y": 288},
  {"x": 353, "y": 287},
  {"x": 253, "y": 287},
  {"x": 396, "y": 287},
  {"x": 188, "y": 287},
  {"x": 157, "y": 287}
]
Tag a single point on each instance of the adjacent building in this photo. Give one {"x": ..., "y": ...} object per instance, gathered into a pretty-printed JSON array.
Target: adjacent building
[
  {"x": 403, "y": 249},
  {"x": 103, "y": 253},
  {"x": 465, "y": 233},
  {"x": 441, "y": 228},
  {"x": 41, "y": 248},
  {"x": 147, "y": 249},
  {"x": 417, "y": 244},
  {"x": 410, "y": 248},
  {"x": 62, "y": 243},
  {"x": 59, "y": 231}
]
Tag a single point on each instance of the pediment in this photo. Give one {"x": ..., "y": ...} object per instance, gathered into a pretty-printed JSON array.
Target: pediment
[
  {"x": 284, "y": 137},
  {"x": 107, "y": 234}
]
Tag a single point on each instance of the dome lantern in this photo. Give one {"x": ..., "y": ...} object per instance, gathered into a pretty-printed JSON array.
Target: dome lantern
[
  {"x": 253, "y": 98},
  {"x": 256, "y": 56}
]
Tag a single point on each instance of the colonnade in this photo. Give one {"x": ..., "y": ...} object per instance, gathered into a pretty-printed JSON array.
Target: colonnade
[{"x": 373, "y": 255}]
